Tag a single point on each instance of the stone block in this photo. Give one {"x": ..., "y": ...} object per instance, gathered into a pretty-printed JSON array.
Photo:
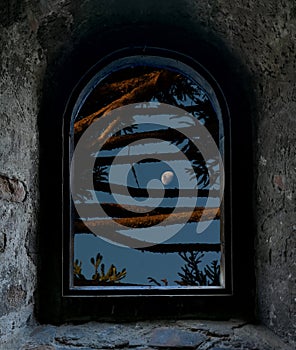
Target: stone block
[
  {"x": 90, "y": 337},
  {"x": 38, "y": 347},
  {"x": 2, "y": 242},
  {"x": 15, "y": 297},
  {"x": 175, "y": 338},
  {"x": 12, "y": 190},
  {"x": 44, "y": 334},
  {"x": 279, "y": 182}
]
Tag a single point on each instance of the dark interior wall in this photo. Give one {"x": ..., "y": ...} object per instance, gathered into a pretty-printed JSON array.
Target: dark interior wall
[{"x": 41, "y": 38}]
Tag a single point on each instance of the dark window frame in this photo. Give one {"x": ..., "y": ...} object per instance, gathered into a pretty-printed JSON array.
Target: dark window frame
[{"x": 162, "y": 59}]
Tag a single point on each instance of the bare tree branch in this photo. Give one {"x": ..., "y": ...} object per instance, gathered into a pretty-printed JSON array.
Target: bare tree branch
[
  {"x": 148, "y": 221},
  {"x": 115, "y": 210}
]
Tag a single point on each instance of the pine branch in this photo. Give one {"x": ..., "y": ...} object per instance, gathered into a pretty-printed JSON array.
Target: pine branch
[
  {"x": 147, "y": 158},
  {"x": 142, "y": 91}
]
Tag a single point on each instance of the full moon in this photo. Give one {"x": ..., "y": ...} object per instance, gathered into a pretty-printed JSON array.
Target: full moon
[{"x": 167, "y": 177}]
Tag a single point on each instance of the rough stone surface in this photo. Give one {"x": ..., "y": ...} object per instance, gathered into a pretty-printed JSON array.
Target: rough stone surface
[
  {"x": 2, "y": 242},
  {"x": 262, "y": 34},
  {"x": 174, "y": 338},
  {"x": 200, "y": 335},
  {"x": 38, "y": 347},
  {"x": 21, "y": 74},
  {"x": 11, "y": 190}
]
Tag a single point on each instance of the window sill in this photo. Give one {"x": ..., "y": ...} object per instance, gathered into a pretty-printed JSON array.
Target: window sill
[{"x": 158, "y": 334}]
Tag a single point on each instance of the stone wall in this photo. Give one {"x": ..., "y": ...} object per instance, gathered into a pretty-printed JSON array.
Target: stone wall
[
  {"x": 38, "y": 35},
  {"x": 20, "y": 84}
]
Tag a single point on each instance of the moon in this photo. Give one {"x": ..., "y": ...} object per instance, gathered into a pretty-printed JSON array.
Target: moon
[{"x": 167, "y": 177}]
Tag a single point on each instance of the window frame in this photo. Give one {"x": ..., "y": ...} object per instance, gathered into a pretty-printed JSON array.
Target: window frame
[{"x": 190, "y": 68}]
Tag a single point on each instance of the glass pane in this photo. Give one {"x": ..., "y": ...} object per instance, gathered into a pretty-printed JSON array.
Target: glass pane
[{"x": 146, "y": 181}]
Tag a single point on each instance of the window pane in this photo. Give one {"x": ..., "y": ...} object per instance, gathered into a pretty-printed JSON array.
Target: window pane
[{"x": 147, "y": 178}]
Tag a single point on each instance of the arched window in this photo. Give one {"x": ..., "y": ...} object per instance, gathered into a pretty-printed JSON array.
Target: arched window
[{"x": 148, "y": 198}]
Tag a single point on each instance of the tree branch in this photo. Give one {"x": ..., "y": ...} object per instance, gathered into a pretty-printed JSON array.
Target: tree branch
[
  {"x": 183, "y": 247},
  {"x": 148, "y": 137},
  {"x": 141, "y": 222},
  {"x": 117, "y": 211},
  {"x": 138, "y": 89},
  {"x": 154, "y": 193},
  {"x": 142, "y": 91}
]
